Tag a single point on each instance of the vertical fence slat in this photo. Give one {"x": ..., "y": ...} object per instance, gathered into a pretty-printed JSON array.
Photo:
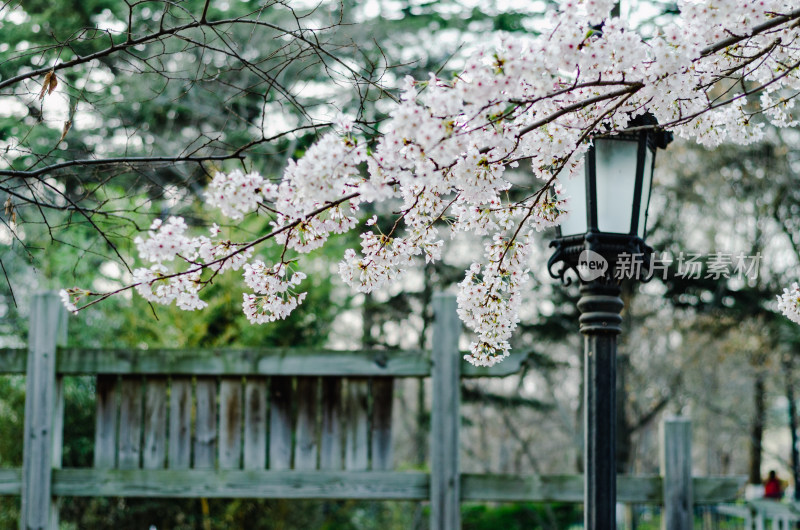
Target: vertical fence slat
[
  {"x": 58, "y": 442},
  {"x": 230, "y": 423},
  {"x": 445, "y": 416},
  {"x": 255, "y": 423},
  {"x": 676, "y": 470},
  {"x": 180, "y": 423},
  {"x": 130, "y": 423},
  {"x": 155, "y": 423},
  {"x": 280, "y": 423},
  {"x": 382, "y": 394},
  {"x": 356, "y": 456},
  {"x": 305, "y": 449},
  {"x": 205, "y": 436},
  {"x": 58, "y": 423},
  {"x": 331, "y": 437},
  {"x": 105, "y": 434},
  {"x": 47, "y": 317}
]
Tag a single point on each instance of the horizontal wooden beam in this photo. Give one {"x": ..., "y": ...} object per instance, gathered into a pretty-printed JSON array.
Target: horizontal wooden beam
[
  {"x": 711, "y": 490},
  {"x": 377, "y": 485},
  {"x": 386, "y": 485},
  {"x": 569, "y": 488},
  {"x": 553, "y": 488},
  {"x": 13, "y": 360},
  {"x": 10, "y": 481},
  {"x": 254, "y": 361}
]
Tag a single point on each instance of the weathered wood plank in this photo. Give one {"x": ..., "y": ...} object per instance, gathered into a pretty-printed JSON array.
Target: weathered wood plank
[
  {"x": 474, "y": 487},
  {"x": 255, "y": 423},
  {"x": 230, "y": 423},
  {"x": 280, "y": 423},
  {"x": 331, "y": 446},
  {"x": 367, "y": 363},
  {"x": 552, "y": 488},
  {"x": 82, "y": 482},
  {"x": 306, "y": 446},
  {"x": 676, "y": 469},
  {"x": 105, "y": 432},
  {"x": 129, "y": 446},
  {"x": 205, "y": 434},
  {"x": 58, "y": 423},
  {"x": 356, "y": 448},
  {"x": 58, "y": 442},
  {"x": 155, "y": 423},
  {"x": 569, "y": 488},
  {"x": 382, "y": 399},
  {"x": 180, "y": 423},
  {"x": 11, "y": 481},
  {"x": 445, "y": 415},
  {"x": 47, "y": 315},
  {"x": 713, "y": 490},
  {"x": 254, "y": 361}
]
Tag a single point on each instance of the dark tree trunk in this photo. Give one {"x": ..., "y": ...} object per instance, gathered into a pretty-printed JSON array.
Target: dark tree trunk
[
  {"x": 788, "y": 371},
  {"x": 757, "y": 429},
  {"x": 421, "y": 433},
  {"x": 423, "y": 416}
]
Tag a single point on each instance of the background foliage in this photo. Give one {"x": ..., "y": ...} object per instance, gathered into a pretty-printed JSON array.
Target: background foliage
[{"x": 712, "y": 349}]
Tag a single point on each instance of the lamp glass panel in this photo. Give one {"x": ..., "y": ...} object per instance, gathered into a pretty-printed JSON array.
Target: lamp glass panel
[
  {"x": 574, "y": 221},
  {"x": 647, "y": 180},
  {"x": 615, "y": 172}
]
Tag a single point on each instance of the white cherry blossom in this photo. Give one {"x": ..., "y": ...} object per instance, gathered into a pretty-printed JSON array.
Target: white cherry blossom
[
  {"x": 789, "y": 303},
  {"x": 448, "y": 147}
]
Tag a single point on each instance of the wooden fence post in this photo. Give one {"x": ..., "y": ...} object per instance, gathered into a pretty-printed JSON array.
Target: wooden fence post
[
  {"x": 43, "y": 410},
  {"x": 445, "y": 416},
  {"x": 676, "y": 471}
]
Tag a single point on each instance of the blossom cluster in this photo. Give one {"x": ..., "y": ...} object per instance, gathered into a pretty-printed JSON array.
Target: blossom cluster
[
  {"x": 272, "y": 300},
  {"x": 446, "y": 151},
  {"x": 237, "y": 193},
  {"x": 489, "y": 298},
  {"x": 789, "y": 303}
]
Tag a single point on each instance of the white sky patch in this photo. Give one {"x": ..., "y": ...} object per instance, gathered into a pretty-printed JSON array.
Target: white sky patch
[
  {"x": 10, "y": 152},
  {"x": 16, "y": 15},
  {"x": 55, "y": 108},
  {"x": 6, "y": 237},
  {"x": 103, "y": 285},
  {"x": 346, "y": 330},
  {"x": 173, "y": 195},
  {"x": 122, "y": 141},
  {"x": 316, "y": 89},
  {"x": 96, "y": 79},
  {"x": 111, "y": 269},
  {"x": 275, "y": 120},
  {"x": 106, "y": 21},
  {"x": 371, "y": 9},
  {"x": 11, "y": 107},
  {"x": 85, "y": 118}
]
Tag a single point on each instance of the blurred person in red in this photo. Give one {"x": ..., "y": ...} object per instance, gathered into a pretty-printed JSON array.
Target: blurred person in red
[{"x": 773, "y": 489}]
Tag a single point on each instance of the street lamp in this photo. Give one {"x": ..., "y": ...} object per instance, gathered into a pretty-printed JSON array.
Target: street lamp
[{"x": 607, "y": 221}]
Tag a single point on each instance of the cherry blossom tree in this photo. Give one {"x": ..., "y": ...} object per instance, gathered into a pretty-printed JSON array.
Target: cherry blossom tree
[{"x": 444, "y": 158}]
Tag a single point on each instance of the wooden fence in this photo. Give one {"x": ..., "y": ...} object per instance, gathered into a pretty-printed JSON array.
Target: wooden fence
[
  {"x": 267, "y": 423},
  {"x": 755, "y": 514}
]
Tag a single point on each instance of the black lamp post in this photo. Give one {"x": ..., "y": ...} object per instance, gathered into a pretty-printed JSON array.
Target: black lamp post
[{"x": 608, "y": 218}]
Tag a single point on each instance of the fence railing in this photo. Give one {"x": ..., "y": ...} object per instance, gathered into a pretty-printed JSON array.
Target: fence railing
[
  {"x": 761, "y": 514},
  {"x": 283, "y": 423}
]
